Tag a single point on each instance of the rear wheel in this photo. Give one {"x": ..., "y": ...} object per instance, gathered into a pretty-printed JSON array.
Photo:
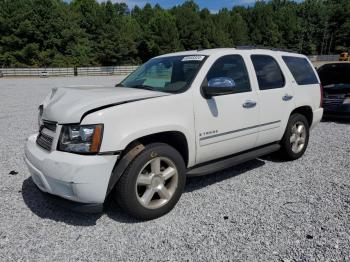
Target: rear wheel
[
  {"x": 153, "y": 182},
  {"x": 296, "y": 137}
]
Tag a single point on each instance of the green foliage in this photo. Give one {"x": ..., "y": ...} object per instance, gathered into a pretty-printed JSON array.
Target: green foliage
[{"x": 86, "y": 32}]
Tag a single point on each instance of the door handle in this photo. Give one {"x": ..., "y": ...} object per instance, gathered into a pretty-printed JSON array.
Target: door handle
[
  {"x": 287, "y": 97},
  {"x": 249, "y": 104}
]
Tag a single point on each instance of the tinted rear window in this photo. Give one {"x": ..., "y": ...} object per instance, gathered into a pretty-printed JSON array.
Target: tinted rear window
[
  {"x": 301, "y": 70},
  {"x": 268, "y": 72}
]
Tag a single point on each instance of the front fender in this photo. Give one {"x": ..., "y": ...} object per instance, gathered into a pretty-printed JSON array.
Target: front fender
[
  {"x": 130, "y": 137},
  {"x": 126, "y": 123}
]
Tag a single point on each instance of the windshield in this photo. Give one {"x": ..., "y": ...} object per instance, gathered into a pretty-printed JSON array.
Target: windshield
[{"x": 166, "y": 74}]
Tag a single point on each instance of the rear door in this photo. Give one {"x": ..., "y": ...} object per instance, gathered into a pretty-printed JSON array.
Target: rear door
[{"x": 275, "y": 95}]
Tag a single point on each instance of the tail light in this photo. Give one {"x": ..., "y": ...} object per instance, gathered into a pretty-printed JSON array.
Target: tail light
[{"x": 321, "y": 92}]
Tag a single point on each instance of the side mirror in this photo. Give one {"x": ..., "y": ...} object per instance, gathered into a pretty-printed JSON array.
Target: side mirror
[{"x": 219, "y": 86}]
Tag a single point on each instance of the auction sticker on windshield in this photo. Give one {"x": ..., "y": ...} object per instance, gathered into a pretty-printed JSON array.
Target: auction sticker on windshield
[{"x": 193, "y": 58}]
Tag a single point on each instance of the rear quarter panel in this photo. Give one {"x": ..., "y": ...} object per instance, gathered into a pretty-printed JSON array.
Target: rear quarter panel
[{"x": 308, "y": 95}]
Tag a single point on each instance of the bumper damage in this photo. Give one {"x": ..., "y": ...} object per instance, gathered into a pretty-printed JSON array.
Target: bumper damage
[{"x": 80, "y": 179}]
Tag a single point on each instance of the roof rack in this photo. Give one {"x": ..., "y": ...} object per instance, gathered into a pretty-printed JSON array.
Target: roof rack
[{"x": 249, "y": 47}]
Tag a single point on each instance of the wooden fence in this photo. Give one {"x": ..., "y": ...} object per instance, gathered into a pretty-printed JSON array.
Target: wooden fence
[
  {"x": 42, "y": 72},
  {"x": 69, "y": 71},
  {"x": 106, "y": 70}
]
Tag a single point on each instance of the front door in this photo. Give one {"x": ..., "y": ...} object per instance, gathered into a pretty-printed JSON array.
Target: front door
[{"x": 226, "y": 124}]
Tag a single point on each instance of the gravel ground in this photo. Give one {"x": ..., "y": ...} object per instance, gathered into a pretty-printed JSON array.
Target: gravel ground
[{"x": 264, "y": 210}]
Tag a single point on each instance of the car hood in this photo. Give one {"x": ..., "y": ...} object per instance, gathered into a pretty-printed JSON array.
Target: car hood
[{"x": 69, "y": 104}]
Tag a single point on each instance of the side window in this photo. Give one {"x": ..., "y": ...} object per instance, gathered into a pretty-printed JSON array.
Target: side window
[
  {"x": 268, "y": 72},
  {"x": 301, "y": 70},
  {"x": 231, "y": 66}
]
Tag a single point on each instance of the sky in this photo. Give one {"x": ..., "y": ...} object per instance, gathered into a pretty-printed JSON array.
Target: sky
[{"x": 212, "y": 5}]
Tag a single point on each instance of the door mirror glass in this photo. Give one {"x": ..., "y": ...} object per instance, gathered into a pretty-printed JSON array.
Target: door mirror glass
[
  {"x": 219, "y": 86},
  {"x": 222, "y": 82}
]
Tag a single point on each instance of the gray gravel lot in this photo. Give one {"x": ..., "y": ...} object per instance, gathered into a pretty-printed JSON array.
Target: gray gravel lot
[{"x": 264, "y": 210}]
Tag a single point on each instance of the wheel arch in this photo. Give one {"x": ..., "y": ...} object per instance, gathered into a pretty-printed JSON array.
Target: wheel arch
[
  {"x": 305, "y": 111},
  {"x": 176, "y": 139}
]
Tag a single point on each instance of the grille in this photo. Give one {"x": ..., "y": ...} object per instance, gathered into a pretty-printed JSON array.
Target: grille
[
  {"x": 50, "y": 125},
  {"x": 44, "y": 141}
]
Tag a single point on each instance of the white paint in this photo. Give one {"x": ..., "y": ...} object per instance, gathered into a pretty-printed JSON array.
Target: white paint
[{"x": 189, "y": 113}]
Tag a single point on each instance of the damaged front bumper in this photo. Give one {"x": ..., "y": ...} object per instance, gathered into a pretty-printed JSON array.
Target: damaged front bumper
[{"x": 79, "y": 178}]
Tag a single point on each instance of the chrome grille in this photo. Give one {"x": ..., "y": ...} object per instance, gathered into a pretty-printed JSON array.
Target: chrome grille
[{"x": 44, "y": 141}]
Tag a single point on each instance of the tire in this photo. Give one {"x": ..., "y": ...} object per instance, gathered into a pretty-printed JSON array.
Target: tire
[
  {"x": 153, "y": 182},
  {"x": 296, "y": 137}
]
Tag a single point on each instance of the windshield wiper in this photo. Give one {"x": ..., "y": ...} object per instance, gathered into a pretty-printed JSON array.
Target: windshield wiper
[
  {"x": 119, "y": 85},
  {"x": 143, "y": 87},
  {"x": 146, "y": 87}
]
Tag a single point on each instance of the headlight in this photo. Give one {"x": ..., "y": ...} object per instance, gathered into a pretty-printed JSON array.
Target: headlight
[
  {"x": 346, "y": 101},
  {"x": 81, "y": 139}
]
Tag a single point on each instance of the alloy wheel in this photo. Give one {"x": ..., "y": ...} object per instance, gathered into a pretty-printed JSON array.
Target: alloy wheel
[
  {"x": 157, "y": 182},
  {"x": 298, "y": 137}
]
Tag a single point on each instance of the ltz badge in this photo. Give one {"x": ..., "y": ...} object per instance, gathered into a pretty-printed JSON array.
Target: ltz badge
[{"x": 208, "y": 133}]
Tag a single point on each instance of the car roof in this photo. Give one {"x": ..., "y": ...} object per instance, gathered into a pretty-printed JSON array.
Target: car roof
[{"x": 224, "y": 51}]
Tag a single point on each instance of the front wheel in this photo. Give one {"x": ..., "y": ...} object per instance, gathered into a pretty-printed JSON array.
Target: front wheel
[
  {"x": 153, "y": 183},
  {"x": 296, "y": 137}
]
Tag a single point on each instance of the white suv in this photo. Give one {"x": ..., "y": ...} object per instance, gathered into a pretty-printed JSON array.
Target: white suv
[{"x": 182, "y": 114}]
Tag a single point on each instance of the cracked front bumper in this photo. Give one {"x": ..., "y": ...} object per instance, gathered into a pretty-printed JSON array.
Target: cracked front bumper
[{"x": 80, "y": 178}]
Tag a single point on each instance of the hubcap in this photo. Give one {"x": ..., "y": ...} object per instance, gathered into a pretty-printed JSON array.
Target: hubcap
[
  {"x": 156, "y": 182},
  {"x": 298, "y": 137}
]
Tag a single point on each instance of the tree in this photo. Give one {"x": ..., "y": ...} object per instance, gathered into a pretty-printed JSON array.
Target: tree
[
  {"x": 90, "y": 32},
  {"x": 188, "y": 23},
  {"x": 164, "y": 37},
  {"x": 264, "y": 30}
]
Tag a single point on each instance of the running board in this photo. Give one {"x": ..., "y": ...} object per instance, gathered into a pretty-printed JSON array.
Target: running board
[{"x": 232, "y": 161}]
